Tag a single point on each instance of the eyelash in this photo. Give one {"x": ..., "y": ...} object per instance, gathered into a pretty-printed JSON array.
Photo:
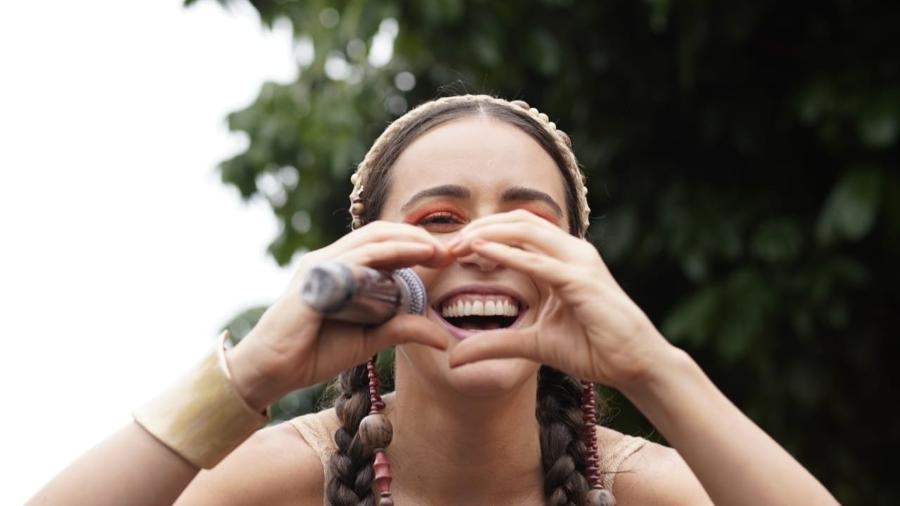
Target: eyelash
[
  {"x": 436, "y": 219},
  {"x": 445, "y": 220}
]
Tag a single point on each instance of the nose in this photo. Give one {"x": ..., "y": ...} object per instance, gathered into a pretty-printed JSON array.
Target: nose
[{"x": 476, "y": 261}]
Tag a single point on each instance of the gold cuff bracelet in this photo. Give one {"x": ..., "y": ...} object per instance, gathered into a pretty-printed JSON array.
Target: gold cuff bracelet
[{"x": 202, "y": 417}]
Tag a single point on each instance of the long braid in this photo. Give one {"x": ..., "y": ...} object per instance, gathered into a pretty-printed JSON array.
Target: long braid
[
  {"x": 559, "y": 413},
  {"x": 351, "y": 465}
]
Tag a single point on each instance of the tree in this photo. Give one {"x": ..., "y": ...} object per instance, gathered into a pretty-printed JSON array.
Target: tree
[{"x": 739, "y": 160}]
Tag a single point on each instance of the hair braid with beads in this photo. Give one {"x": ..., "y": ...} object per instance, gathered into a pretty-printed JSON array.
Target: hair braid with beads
[
  {"x": 559, "y": 413},
  {"x": 566, "y": 428},
  {"x": 351, "y": 466}
]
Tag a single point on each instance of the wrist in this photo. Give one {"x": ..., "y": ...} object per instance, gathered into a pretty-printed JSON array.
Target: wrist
[
  {"x": 255, "y": 382},
  {"x": 669, "y": 366}
]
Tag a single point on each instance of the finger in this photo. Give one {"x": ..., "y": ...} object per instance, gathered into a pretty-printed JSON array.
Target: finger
[
  {"x": 379, "y": 231},
  {"x": 406, "y": 328},
  {"x": 542, "y": 267},
  {"x": 514, "y": 215},
  {"x": 391, "y": 255},
  {"x": 550, "y": 241},
  {"x": 505, "y": 343}
]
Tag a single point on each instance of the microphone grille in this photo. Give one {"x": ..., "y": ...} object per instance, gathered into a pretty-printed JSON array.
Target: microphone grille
[{"x": 417, "y": 296}]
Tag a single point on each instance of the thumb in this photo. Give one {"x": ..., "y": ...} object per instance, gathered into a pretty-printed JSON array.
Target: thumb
[
  {"x": 505, "y": 343},
  {"x": 407, "y": 328}
]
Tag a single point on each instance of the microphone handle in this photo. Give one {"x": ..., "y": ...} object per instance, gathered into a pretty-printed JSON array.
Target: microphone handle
[{"x": 359, "y": 294}]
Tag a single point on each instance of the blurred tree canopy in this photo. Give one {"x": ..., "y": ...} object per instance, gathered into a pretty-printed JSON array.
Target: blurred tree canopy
[{"x": 739, "y": 161}]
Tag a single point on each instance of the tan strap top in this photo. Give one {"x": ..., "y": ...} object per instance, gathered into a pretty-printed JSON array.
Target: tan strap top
[{"x": 318, "y": 429}]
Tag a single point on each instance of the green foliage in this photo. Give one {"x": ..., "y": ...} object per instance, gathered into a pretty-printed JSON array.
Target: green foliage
[
  {"x": 851, "y": 208},
  {"x": 739, "y": 159}
]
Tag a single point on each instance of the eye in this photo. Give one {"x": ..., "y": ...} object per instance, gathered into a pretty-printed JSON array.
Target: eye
[{"x": 441, "y": 221}]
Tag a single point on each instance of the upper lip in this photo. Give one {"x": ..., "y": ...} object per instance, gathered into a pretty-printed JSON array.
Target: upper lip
[{"x": 482, "y": 289}]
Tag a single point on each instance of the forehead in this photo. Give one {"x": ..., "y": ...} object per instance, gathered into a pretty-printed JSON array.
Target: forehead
[{"x": 481, "y": 153}]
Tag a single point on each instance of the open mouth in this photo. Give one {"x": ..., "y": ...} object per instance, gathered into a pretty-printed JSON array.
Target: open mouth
[{"x": 467, "y": 313}]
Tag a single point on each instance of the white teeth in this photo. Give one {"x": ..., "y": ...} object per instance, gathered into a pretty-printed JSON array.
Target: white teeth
[{"x": 491, "y": 307}]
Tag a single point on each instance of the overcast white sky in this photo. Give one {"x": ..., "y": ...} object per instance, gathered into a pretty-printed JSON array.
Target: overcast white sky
[{"x": 121, "y": 252}]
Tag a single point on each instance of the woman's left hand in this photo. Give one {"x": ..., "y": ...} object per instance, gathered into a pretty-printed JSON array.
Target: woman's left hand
[{"x": 588, "y": 327}]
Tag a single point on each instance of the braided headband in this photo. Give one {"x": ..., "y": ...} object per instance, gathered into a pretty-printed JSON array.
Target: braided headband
[{"x": 563, "y": 144}]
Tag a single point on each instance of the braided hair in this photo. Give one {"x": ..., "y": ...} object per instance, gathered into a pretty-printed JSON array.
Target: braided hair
[
  {"x": 351, "y": 465},
  {"x": 562, "y": 447},
  {"x": 559, "y": 399}
]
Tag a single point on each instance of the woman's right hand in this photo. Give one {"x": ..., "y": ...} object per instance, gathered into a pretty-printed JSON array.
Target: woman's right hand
[{"x": 293, "y": 347}]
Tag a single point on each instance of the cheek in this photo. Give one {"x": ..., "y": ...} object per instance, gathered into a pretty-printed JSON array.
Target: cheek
[
  {"x": 430, "y": 278},
  {"x": 427, "y": 274},
  {"x": 539, "y": 292}
]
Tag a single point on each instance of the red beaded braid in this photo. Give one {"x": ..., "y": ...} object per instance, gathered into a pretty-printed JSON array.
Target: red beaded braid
[
  {"x": 375, "y": 431},
  {"x": 597, "y": 496}
]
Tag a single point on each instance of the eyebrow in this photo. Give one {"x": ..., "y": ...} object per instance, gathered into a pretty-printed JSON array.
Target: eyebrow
[
  {"x": 516, "y": 193},
  {"x": 445, "y": 190}
]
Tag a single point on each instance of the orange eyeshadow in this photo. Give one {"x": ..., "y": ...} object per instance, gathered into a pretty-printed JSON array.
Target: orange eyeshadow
[
  {"x": 542, "y": 214},
  {"x": 418, "y": 214}
]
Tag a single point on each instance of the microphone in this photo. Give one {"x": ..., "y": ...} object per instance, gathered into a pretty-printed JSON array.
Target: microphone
[{"x": 359, "y": 294}]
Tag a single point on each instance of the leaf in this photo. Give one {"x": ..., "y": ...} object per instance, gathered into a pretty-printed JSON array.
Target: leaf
[
  {"x": 851, "y": 207},
  {"x": 618, "y": 234},
  {"x": 543, "y": 52},
  {"x": 748, "y": 306},
  {"x": 778, "y": 240},
  {"x": 693, "y": 319},
  {"x": 879, "y": 130}
]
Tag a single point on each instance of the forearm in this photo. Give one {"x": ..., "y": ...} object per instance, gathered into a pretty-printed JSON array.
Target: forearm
[
  {"x": 130, "y": 467},
  {"x": 733, "y": 458}
]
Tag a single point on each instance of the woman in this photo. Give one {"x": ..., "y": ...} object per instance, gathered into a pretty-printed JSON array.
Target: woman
[{"x": 484, "y": 199}]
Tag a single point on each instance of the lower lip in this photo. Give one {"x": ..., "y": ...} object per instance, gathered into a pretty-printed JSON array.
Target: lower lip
[{"x": 464, "y": 333}]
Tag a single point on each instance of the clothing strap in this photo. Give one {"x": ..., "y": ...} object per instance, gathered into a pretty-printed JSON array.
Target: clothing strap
[{"x": 617, "y": 454}]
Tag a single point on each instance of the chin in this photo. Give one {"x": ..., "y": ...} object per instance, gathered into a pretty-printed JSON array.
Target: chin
[
  {"x": 485, "y": 379},
  {"x": 491, "y": 378}
]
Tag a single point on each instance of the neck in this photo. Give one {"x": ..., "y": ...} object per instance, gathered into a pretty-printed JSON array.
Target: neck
[{"x": 477, "y": 450}]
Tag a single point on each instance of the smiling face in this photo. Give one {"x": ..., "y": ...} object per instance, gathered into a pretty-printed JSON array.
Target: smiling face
[{"x": 457, "y": 172}]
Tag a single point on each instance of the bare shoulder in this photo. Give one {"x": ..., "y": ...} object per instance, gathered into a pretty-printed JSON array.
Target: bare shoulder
[
  {"x": 654, "y": 475},
  {"x": 274, "y": 466}
]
